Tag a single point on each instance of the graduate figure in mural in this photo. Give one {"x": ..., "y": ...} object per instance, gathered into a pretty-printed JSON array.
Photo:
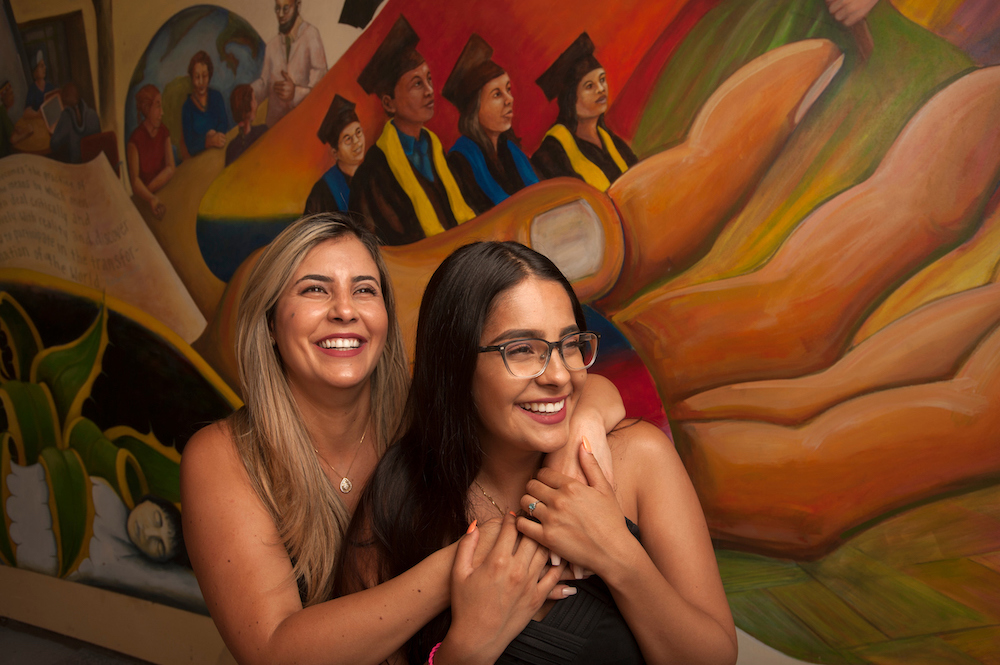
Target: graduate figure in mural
[
  {"x": 580, "y": 144},
  {"x": 150, "y": 153},
  {"x": 343, "y": 133},
  {"x": 243, "y": 104},
  {"x": 294, "y": 62},
  {"x": 405, "y": 185},
  {"x": 203, "y": 115},
  {"x": 486, "y": 160}
]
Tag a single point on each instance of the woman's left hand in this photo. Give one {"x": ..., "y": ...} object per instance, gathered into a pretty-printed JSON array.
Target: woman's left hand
[{"x": 580, "y": 522}]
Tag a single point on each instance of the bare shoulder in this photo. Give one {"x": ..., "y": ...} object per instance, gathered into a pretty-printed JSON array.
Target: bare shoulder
[
  {"x": 211, "y": 470},
  {"x": 210, "y": 450},
  {"x": 644, "y": 459},
  {"x": 636, "y": 443}
]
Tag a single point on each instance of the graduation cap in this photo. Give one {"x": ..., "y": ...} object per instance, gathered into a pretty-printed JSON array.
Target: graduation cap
[
  {"x": 472, "y": 71},
  {"x": 339, "y": 115},
  {"x": 569, "y": 67},
  {"x": 396, "y": 55}
]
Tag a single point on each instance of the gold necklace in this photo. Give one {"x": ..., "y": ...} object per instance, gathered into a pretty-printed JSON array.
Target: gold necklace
[
  {"x": 500, "y": 510},
  {"x": 345, "y": 483}
]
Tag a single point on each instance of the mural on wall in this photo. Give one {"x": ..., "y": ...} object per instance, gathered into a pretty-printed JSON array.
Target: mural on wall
[{"x": 785, "y": 224}]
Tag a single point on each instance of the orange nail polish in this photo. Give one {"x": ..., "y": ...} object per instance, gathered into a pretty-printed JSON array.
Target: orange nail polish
[
  {"x": 586, "y": 445},
  {"x": 472, "y": 527}
]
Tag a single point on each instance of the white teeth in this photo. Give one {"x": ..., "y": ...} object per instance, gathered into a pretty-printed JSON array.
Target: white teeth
[
  {"x": 544, "y": 407},
  {"x": 340, "y": 343}
]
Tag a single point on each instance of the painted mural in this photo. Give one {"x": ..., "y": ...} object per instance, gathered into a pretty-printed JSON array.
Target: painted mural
[{"x": 785, "y": 226}]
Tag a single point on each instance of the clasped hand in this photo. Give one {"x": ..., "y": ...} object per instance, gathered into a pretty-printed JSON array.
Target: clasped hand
[
  {"x": 495, "y": 598},
  {"x": 580, "y": 522}
]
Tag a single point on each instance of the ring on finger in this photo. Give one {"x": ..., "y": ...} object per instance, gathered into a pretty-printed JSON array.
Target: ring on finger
[{"x": 532, "y": 506}]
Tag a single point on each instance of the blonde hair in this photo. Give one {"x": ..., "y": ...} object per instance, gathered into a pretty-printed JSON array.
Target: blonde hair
[{"x": 269, "y": 432}]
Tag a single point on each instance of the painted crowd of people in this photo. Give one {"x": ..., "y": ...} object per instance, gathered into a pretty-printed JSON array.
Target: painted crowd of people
[
  {"x": 294, "y": 61},
  {"x": 411, "y": 188}
]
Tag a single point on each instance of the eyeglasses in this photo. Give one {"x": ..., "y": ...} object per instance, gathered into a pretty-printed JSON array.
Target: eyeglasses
[{"x": 528, "y": 358}]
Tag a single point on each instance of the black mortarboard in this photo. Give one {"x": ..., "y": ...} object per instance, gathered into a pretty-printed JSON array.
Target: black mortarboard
[
  {"x": 472, "y": 71},
  {"x": 339, "y": 115},
  {"x": 358, "y": 13},
  {"x": 569, "y": 67},
  {"x": 396, "y": 55}
]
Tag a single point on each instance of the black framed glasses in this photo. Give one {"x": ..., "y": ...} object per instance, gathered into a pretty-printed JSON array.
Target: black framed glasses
[{"x": 528, "y": 358}]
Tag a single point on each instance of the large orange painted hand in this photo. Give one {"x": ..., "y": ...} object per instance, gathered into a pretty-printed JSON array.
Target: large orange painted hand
[
  {"x": 795, "y": 314},
  {"x": 926, "y": 345},
  {"x": 673, "y": 204},
  {"x": 795, "y": 490}
]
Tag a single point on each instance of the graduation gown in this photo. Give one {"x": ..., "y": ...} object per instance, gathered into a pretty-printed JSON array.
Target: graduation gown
[
  {"x": 409, "y": 207},
  {"x": 331, "y": 193},
  {"x": 551, "y": 160},
  {"x": 501, "y": 180}
]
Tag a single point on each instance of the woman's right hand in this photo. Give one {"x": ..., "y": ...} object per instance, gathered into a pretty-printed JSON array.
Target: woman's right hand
[{"x": 492, "y": 602}]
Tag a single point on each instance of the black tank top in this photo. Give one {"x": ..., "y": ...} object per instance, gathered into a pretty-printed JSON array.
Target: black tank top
[{"x": 585, "y": 628}]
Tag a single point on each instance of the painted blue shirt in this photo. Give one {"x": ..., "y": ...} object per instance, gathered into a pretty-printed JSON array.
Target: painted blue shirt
[{"x": 196, "y": 122}]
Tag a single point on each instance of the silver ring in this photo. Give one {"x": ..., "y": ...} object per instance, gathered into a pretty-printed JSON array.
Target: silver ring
[{"x": 532, "y": 506}]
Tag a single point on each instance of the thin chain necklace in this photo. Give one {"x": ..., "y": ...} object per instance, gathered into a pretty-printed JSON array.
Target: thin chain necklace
[
  {"x": 345, "y": 483},
  {"x": 500, "y": 510}
]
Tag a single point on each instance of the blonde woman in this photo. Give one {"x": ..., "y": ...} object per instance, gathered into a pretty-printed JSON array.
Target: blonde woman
[{"x": 268, "y": 492}]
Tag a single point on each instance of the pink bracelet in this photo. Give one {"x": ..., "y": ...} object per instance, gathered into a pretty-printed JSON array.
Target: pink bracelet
[{"x": 430, "y": 658}]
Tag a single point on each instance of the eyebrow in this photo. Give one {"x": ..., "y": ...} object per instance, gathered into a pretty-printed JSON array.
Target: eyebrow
[
  {"x": 509, "y": 335},
  {"x": 326, "y": 280}
]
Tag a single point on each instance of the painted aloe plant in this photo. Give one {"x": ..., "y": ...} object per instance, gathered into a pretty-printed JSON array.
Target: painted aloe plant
[{"x": 42, "y": 392}]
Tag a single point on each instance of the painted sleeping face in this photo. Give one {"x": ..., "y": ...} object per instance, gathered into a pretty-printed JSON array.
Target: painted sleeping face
[{"x": 152, "y": 531}]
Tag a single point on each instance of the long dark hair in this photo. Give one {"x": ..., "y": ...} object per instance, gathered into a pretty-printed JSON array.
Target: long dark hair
[{"x": 417, "y": 499}]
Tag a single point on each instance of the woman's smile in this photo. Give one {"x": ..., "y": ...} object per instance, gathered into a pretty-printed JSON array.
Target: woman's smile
[
  {"x": 330, "y": 323},
  {"x": 529, "y": 414},
  {"x": 348, "y": 345}
]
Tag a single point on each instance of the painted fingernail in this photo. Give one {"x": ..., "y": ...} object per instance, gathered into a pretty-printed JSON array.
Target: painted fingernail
[
  {"x": 472, "y": 527},
  {"x": 586, "y": 445},
  {"x": 512, "y": 513},
  {"x": 554, "y": 558},
  {"x": 569, "y": 591},
  {"x": 577, "y": 572}
]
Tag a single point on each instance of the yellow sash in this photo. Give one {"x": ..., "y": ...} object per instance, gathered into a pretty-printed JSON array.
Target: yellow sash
[
  {"x": 402, "y": 170},
  {"x": 592, "y": 174}
]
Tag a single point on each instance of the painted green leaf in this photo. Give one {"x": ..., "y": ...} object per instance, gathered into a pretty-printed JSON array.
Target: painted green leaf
[
  {"x": 71, "y": 504},
  {"x": 22, "y": 339},
  {"x": 31, "y": 419},
  {"x": 105, "y": 460},
  {"x": 160, "y": 465},
  {"x": 70, "y": 370}
]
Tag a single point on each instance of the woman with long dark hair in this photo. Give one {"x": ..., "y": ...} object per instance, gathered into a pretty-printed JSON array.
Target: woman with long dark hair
[
  {"x": 486, "y": 160},
  {"x": 268, "y": 492},
  {"x": 580, "y": 145},
  {"x": 501, "y": 358}
]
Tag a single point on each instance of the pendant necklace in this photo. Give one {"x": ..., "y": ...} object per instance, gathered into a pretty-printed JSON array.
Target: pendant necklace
[
  {"x": 489, "y": 497},
  {"x": 345, "y": 483}
]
